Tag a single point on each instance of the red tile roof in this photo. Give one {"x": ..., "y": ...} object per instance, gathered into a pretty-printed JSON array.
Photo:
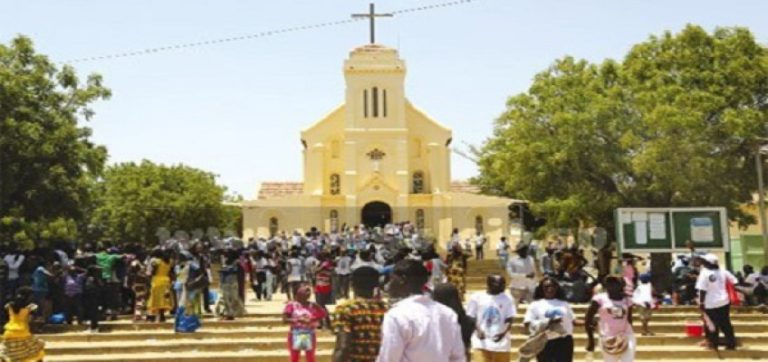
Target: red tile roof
[{"x": 464, "y": 187}]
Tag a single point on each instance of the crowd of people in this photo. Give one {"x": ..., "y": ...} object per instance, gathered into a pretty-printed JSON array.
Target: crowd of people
[
  {"x": 428, "y": 318},
  {"x": 396, "y": 298},
  {"x": 95, "y": 283}
]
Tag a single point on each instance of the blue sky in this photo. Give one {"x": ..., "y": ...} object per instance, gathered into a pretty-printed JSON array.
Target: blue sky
[{"x": 236, "y": 109}]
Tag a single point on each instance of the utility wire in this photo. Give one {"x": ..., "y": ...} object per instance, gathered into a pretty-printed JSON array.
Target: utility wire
[
  {"x": 263, "y": 34},
  {"x": 431, "y": 7}
]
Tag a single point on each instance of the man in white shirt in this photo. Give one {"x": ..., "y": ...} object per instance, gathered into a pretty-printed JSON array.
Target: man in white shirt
[
  {"x": 296, "y": 239},
  {"x": 750, "y": 283},
  {"x": 522, "y": 270},
  {"x": 310, "y": 265},
  {"x": 294, "y": 273},
  {"x": 493, "y": 310},
  {"x": 714, "y": 300},
  {"x": 285, "y": 244},
  {"x": 418, "y": 329},
  {"x": 14, "y": 259},
  {"x": 261, "y": 245},
  {"x": 454, "y": 241},
  {"x": 381, "y": 254},
  {"x": 479, "y": 244},
  {"x": 417, "y": 241},
  {"x": 502, "y": 250},
  {"x": 364, "y": 259},
  {"x": 343, "y": 270}
]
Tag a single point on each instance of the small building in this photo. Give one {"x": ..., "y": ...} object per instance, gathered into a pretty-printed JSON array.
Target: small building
[
  {"x": 376, "y": 159},
  {"x": 747, "y": 243}
]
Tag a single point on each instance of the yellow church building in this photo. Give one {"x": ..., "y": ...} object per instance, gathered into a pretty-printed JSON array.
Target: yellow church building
[{"x": 373, "y": 160}]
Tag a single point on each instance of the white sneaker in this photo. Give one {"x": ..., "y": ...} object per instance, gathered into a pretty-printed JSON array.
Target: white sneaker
[{"x": 93, "y": 331}]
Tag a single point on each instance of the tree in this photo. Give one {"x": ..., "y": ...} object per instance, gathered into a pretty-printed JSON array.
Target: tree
[
  {"x": 47, "y": 160},
  {"x": 135, "y": 201},
  {"x": 233, "y": 214},
  {"x": 673, "y": 124}
]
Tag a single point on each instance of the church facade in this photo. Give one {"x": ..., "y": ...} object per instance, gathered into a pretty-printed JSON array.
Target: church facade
[{"x": 373, "y": 160}]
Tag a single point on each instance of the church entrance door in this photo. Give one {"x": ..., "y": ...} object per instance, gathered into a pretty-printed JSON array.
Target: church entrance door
[{"x": 376, "y": 213}]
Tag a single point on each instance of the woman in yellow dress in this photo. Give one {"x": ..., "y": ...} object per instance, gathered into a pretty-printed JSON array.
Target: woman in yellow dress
[
  {"x": 160, "y": 293},
  {"x": 18, "y": 342},
  {"x": 457, "y": 270}
]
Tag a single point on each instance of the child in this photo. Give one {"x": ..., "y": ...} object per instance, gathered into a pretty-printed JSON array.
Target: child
[
  {"x": 304, "y": 317},
  {"x": 643, "y": 297},
  {"x": 18, "y": 342}
]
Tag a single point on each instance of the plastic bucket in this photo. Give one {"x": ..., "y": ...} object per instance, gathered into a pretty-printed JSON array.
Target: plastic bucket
[
  {"x": 212, "y": 297},
  {"x": 694, "y": 329}
]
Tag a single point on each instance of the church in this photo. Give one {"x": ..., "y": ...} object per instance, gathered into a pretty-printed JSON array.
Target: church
[{"x": 373, "y": 160}]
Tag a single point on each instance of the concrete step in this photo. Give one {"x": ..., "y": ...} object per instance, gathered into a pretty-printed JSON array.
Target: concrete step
[
  {"x": 661, "y": 326},
  {"x": 265, "y": 334},
  {"x": 261, "y": 336},
  {"x": 675, "y": 313},
  {"x": 178, "y": 346},
  {"x": 167, "y": 335},
  {"x": 643, "y": 354}
]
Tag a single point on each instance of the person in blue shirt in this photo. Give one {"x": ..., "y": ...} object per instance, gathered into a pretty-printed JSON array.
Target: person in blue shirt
[{"x": 40, "y": 290}]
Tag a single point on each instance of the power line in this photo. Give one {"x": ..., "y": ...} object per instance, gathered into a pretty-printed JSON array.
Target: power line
[
  {"x": 433, "y": 6},
  {"x": 262, "y": 34}
]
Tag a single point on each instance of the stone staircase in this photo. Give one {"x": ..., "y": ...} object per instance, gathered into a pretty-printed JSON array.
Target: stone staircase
[{"x": 261, "y": 336}]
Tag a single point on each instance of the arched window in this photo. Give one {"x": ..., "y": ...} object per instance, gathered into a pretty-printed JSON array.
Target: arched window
[
  {"x": 375, "y": 96},
  {"x": 420, "y": 219},
  {"x": 334, "y": 220},
  {"x": 274, "y": 225},
  {"x": 478, "y": 224},
  {"x": 418, "y": 182},
  {"x": 365, "y": 103},
  {"x": 335, "y": 184}
]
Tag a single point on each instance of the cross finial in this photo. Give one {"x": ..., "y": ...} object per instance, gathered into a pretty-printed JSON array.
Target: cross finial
[{"x": 372, "y": 16}]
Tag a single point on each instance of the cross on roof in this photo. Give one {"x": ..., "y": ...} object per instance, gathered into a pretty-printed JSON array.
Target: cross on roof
[{"x": 372, "y": 16}]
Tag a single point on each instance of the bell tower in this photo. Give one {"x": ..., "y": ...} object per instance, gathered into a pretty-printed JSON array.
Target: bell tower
[{"x": 375, "y": 94}]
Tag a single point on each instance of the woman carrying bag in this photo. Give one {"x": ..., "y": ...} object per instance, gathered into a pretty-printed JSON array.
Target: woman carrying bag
[
  {"x": 550, "y": 315},
  {"x": 617, "y": 340},
  {"x": 191, "y": 304}
]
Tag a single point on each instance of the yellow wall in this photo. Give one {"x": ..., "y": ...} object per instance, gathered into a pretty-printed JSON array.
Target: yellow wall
[
  {"x": 755, "y": 229},
  {"x": 340, "y": 144}
]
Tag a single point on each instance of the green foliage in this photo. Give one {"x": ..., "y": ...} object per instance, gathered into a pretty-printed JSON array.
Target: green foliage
[
  {"x": 47, "y": 161},
  {"x": 674, "y": 124},
  {"x": 233, "y": 215},
  {"x": 136, "y": 200}
]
